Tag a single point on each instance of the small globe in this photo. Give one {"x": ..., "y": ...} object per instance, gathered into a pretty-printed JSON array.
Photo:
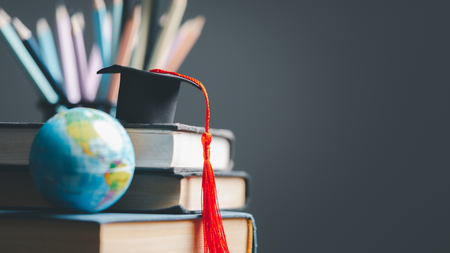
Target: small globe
[{"x": 82, "y": 159}]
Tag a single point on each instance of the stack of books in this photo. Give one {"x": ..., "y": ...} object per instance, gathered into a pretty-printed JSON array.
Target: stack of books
[{"x": 160, "y": 212}]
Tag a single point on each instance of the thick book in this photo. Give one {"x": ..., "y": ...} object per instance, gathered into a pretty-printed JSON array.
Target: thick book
[
  {"x": 155, "y": 145},
  {"x": 151, "y": 191},
  {"x": 34, "y": 231}
]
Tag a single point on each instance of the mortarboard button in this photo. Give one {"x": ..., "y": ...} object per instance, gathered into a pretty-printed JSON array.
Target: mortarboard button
[{"x": 146, "y": 97}]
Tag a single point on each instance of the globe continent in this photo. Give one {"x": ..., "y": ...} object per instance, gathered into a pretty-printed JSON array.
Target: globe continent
[{"x": 82, "y": 159}]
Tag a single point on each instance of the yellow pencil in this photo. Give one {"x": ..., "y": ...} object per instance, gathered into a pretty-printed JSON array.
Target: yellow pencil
[
  {"x": 138, "y": 58},
  {"x": 167, "y": 34}
]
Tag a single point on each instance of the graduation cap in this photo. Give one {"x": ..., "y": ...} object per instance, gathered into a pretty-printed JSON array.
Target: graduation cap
[
  {"x": 146, "y": 97},
  {"x": 151, "y": 97}
]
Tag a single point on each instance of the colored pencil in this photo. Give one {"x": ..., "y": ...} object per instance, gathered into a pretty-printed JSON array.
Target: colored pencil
[
  {"x": 32, "y": 46},
  {"x": 107, "y": 30},
  {"x": 188, "y": 35},
  {"x": 127, "y": 10},
  {"x": 67, "y": 54},
  {"x": 116, "y": 12},
  {"x": 24, "y": 58},
  {"x": 154, "y": 29},
  {"x": 49, "y": 53},
  {"x": 167, "y": 34},
  {"x": 179, "y": 38},
  {"x": 80, "y": 18},
  {"x": 138, "y": 58},
  {"x": 99, "y": 17},
  {"x": 125, "y": 50},
  {"x": 93, "y": 79},
  {"x": 80, "y": 53}
]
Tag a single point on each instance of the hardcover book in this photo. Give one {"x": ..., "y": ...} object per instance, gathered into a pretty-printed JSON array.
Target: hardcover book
[
  {"x": 34, "y": 231},
  {"x": 151, "y": 191},
  {"x": 155, "y": 145}
]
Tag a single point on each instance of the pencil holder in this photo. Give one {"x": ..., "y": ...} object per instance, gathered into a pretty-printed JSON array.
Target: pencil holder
[{"x": 48, "y": 110}]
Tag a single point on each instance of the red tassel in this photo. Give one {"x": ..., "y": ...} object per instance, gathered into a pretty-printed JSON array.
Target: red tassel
[{"x": 213, "y": 232}]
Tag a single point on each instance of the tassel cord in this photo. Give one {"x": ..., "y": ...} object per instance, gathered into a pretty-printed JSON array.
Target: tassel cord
[{"x": 213, "y": 232}]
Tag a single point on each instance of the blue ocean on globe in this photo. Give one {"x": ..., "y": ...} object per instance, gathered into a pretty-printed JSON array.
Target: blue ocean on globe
[{"x": 82, "y": 159}]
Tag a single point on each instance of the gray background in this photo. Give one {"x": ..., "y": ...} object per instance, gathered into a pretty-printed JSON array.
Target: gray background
[{"x": 340, "y": 109}]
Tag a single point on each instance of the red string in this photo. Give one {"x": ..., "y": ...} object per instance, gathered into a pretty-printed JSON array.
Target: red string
[{"x": 213, "y": 232}]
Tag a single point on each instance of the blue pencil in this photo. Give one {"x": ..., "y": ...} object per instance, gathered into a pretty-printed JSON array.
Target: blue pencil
[
  {"x": 33, "y": 48},
  {"x": 98, "y": 20},
  {"x": 31, "y": 68},
  {"x": 117, "y": 7},
  {"x": 48, "y": 51}
]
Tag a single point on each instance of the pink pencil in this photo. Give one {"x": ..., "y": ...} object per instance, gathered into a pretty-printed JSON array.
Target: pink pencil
[
  {"x": 189, "y": 34},
  {"x": 67, "y": 55},
  {"x": 93, "y": 79},
  {"x": 80, "y": 52}
]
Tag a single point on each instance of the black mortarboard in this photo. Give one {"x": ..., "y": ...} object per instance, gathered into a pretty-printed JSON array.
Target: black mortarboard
[{"x": 146, "y": 97}]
